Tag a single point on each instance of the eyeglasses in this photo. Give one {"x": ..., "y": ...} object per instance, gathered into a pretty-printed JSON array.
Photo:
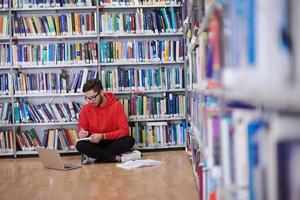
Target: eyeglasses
[{"x": 92, "y": 98}]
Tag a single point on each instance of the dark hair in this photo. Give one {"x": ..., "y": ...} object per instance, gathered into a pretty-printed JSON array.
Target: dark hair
[{"x": 94, "y": 84}]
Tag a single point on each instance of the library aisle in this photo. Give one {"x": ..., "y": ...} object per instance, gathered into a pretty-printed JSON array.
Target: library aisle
[{"x": 25, "y": 178}]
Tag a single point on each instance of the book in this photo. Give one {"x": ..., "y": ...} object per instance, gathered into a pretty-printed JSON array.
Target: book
[{"x": 138, "y": 163}]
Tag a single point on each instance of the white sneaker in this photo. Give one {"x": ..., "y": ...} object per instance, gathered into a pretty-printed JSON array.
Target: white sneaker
[
  {"x": 85, "y": 160},
  {"x": 133, "y": 155}
]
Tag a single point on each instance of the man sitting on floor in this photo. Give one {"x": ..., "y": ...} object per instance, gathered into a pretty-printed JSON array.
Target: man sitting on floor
[{"x": 104, "y": 120}]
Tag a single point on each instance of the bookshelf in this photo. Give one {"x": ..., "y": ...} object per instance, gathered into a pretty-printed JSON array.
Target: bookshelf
[
  {"x": 51, "y": 47},
  {"x": 242, "y": 90},
  {"x": 143, "y": 68}
]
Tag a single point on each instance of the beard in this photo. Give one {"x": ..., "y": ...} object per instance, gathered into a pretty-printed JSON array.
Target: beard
[{"x": 98, "y": 103}]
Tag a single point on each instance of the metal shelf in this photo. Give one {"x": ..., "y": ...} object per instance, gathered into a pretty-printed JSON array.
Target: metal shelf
[
  {"x": 48, "y": 95},
  {"x": 4, "y": 38},
  {"x": 6, "y": 154},
  {"x": 70, "y": 37},
  {"x": 35, "y": 152},
  {"x": 54, "y": 8},
  {"x": 46, "y": 124},
  {"x": 4, "y": 67},
  {"x": 146, "y": 91},
  {"x": 138, "y": 6},
  {"x": 5, "y": 96},
  {"x": 130, "y": 63},
  {"x": 4, "y": 10},
  {"x": 67, "y": 65},
  {"x": 6, "y": 125},
  {"x": 145, "y": 34},
  {"x": 140, "y": 119}
]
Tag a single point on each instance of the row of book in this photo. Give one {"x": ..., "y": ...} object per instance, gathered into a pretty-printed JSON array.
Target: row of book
[
  {"x": 142, "y": 79},
  {"x": 55, "y": 25},
  {"x": 4, "y": 26},
  {"x": 80, "y": 53},
  {"x": 159, "y": 134},
  {"x": 152, "y": 134},
  {"x": 61, "y": 139},
  {"x": 138, "y": 2},
  {"x": 6, "y": 141},
  {"x": 5, "y": 113},
  {"x": 55, "y": 53},
  {"x": 141, "y": 51},
  {"x": 41, "y": 83},
  {"x": 114, "y": 80},
  {"x": 51, "y": 3},
  {"x": 50, "y": 82},
  {"x": 201, "y": 68},
  {"x": 251, "y": 148},
  {"x": 147, "y": 107},
  {"x": 161, "y": 20},
  {"x": 4, "y": 55},
  {"x": 25, "y": 112}
]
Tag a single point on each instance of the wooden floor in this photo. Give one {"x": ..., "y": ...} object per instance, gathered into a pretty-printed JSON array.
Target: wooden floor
[{"x": 26, "y": 179}]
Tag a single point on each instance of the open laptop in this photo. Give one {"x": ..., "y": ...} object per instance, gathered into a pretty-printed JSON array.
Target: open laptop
[{"x": 52, "y": 160}]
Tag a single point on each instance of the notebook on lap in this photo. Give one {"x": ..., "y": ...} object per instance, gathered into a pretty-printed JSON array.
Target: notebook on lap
[{"x": 52, "y": 160}]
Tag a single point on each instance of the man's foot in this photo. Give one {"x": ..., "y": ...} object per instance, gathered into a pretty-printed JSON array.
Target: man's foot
[
  {"x": 133, "y": 155},
  {"x": 85, "y": 160}
]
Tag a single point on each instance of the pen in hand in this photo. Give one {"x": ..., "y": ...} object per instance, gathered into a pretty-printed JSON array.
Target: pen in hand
[{"x": 83, "y": 133}]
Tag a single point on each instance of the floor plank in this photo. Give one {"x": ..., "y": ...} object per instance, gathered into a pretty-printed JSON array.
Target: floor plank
[{"x": 25, "y": 178}]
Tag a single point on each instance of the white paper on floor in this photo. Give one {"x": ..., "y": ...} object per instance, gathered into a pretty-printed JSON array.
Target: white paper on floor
[{"x": 133, "y": 164}]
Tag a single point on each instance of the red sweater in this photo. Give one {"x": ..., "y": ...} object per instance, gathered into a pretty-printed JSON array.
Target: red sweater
[{"x": 109, "y": 119}]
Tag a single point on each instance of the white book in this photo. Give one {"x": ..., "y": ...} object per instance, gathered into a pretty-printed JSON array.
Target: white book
[{"x": 84, "y": 139}]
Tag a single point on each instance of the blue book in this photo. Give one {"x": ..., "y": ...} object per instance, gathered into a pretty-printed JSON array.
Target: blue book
[
  {"x": 143, "y": 78},
  {"x": 173, "y": 18},
  {"x": 51, "y": 53},
  {"x": 17, "y": 113},
  {"x": 176, "y": 105},
  {"x": 254, "y": 129},
  {"x": 8, "y": 54},
  {"x": 24, "y": 111}
]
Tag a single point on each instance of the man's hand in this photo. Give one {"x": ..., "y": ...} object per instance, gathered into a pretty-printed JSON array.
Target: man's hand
[
  {"x": 96, "y": 138},
  {"x": 83, "y": 133}
]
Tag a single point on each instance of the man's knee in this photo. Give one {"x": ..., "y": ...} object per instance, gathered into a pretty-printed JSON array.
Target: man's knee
[
  {"x": 80, "y": 146},
  {"x": 130, "y": 140}
]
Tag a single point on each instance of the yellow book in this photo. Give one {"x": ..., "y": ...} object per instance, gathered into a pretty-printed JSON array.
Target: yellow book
[
  {"x": 57, "y": 25},
  {"x": 37, "y": 24},
  {"x": 145, "y": 107},
  {"x": 105, "y": 24},
  {"x": 77, "y": 24},
  {"x": 78, "y": 48},
  {"x": 33, "y": 26},
  {"x": 166, "y": 57},
  {"x": 181, "y": 105}
]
